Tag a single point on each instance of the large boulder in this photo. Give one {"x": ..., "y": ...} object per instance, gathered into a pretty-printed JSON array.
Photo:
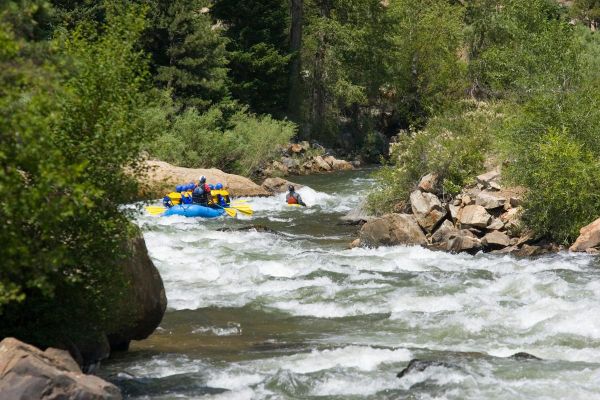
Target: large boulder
[
  {"x": 278, "y": 185},
  {"x": 27, "y": 373},
  {"x": 443, "y": 233},
  {"x": 589, "y": 237},
  {"x": 322, "y": 164},
  {"x": 463, "y": 241},
  {"x": 339, "y": 165},
  {"x": 427, "y": 208},
  {"x": 473, "y": 216},
  {"x": 489, "y": 200},
  {"x": 162, "y": 177},
  {"x": 392, "y": 229},
  {"x": 495, "y": 240},
  {"x": 146, "y": 300}
]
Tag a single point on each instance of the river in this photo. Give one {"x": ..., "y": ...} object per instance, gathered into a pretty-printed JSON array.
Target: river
[{"x": 288, "y": 312}]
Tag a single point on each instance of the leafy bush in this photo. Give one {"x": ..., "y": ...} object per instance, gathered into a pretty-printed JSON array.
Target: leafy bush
[
  {"x": 239, "y": 143},
  {"x": 453, "y": 146},
  {"x": 68, "y": 128},
  {"x": 563, "y": 181}
]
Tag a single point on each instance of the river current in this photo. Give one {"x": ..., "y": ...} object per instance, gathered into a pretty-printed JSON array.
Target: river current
[{"x": 277, "y": 307}]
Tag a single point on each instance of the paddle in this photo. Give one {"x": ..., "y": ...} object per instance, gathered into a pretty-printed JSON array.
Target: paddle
[
  {"x": 244, "y": 209},
  {"x": 155, "y": 210},
  {"x": 229, "y": 211}
]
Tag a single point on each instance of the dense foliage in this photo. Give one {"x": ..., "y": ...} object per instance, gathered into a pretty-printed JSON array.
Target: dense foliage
[
  {"x": 68, "y": 128},
  {"x": 535, "y": 68}
]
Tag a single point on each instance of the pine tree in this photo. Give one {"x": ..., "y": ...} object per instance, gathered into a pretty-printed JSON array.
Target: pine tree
[
  {"x": 188, "y": 53},
  {"x": 259, "y": 51}
]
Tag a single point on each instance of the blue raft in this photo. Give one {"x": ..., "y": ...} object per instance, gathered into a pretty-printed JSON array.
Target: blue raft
[{"x": 194, "y": 210}]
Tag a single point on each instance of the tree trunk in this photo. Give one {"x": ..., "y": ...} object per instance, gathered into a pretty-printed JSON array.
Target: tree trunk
[
  {"x": 295, "y": 96},
  {"x": 318, "y": 89}
]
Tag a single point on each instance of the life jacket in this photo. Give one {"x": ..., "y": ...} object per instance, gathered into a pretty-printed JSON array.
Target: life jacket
[
  {"x": 200, "y": 195},
  {"x": 291, "y": 198},
  {"x": 186, "y": 198}
]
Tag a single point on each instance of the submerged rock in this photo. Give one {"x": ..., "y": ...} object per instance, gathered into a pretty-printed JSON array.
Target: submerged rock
[
  {"x": 417, "y": 365},
  {"x": 28, "y": 373},
  {"x": 255, "y": 227},
  {"x": 392, "y": 229},
  {"x": 524, "y": 356}
]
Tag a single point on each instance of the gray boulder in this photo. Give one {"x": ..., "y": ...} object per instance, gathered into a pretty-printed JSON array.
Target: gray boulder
[
  {"x": 489, "y": 200},
  {"x": 473, "y": 216},
  {"x": 28, "y": 373},
  {"x": 495, "y": 240},
  {"x": 390, "y": 230},
  {"x": 463, "y": 241},
  {"x": 146, "y": 300},
  {"x": 442, "y": 234},
  {"x": 427, "y": 208}
]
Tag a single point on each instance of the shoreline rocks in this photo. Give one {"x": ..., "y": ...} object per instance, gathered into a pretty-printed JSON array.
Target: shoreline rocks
[
  {"x": 27, "y": 372},
  {"x": 304, "y": 159},
  {"x": 484, "y": 217}
]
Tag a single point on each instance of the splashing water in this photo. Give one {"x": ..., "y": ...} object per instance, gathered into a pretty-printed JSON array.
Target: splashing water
[{"x": 290, "y": 312}]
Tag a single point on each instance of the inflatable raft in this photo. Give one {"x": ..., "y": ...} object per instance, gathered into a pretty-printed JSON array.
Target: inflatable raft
[{"x": 194, "y": 210}]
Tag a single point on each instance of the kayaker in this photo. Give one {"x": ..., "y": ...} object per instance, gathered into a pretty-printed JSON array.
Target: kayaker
[
  {"x": 293, "y": 197},
  {"x": 201, "y": 192}
]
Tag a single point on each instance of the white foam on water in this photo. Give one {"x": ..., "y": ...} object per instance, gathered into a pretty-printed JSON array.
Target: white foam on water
[{"x": 499, "y": 305}]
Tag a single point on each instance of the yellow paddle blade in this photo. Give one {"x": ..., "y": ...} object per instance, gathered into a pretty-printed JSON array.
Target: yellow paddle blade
[
  {"x": 240, "y": 201},
  {"x": 230, "y": 212},
  {"x": 155, "y": 210},
  {"x": 244, "y": 209}
]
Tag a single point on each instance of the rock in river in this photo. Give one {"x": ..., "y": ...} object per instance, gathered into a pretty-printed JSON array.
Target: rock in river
[{"x": 392, "y": 229}]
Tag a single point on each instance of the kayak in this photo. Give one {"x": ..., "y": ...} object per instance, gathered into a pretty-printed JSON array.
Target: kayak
[{"x": 194, "y": 210}]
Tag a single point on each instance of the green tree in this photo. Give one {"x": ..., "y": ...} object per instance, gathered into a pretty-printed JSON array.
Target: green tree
[
  {"x": 259, "y": 51},
  {"x": 69, "y": 127},
  {"x": 519, "y": 48},
  {"x": 188, "y": 55},
  {"x": 588, "y": 11}
]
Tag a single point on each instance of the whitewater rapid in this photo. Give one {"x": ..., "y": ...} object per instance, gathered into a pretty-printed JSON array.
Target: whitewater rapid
[{"x": 335, "y": 322}]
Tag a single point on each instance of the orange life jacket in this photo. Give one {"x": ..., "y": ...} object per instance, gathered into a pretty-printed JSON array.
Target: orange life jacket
[{"x": 291, "y": 199}]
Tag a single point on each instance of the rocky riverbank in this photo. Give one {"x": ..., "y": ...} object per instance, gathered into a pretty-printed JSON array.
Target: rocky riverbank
[
  {"x": 305, "y": 158},
  {"x": 483, "y": 217}
]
